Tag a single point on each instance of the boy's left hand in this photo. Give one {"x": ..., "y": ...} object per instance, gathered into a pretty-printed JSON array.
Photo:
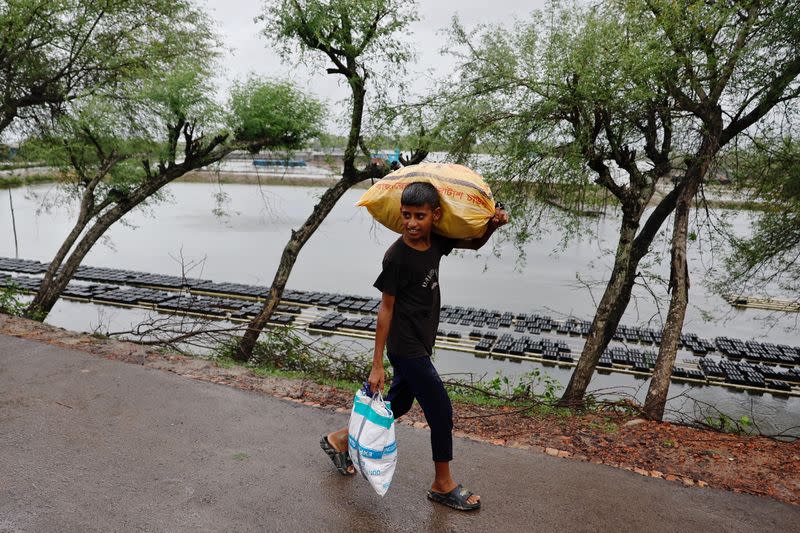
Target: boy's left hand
[{"x": 500, "y": 217}]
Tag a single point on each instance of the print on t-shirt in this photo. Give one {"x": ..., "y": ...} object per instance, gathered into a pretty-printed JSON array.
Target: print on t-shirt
[{"x": 431, "y": 279}]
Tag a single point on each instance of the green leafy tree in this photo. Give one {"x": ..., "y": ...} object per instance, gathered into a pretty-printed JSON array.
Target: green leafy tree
[
  {"x": 736, "y": 63},
  {"x": 53, "y": 52},
  {"x": 767, "y": 170},
  {"x": 566, "y": 107},
  {"x": 256, "y": 113},
  {"x": 621, "y": 94},
  {"x": 353, "y": 39},
  {"x": 118, "y": 154}
]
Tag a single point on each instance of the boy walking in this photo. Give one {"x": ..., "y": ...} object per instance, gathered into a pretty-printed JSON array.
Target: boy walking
[{"x": 408, "y": 319}]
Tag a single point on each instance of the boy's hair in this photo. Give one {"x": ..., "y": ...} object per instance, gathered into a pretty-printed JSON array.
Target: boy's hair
[{"x": 420, "y": 193}]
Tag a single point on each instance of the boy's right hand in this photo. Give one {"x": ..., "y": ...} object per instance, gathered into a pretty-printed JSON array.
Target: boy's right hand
[{"x": 377, "y": 377}]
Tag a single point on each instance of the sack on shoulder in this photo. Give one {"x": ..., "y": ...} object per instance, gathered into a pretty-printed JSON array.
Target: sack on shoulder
[{"x": 466, "y": 200}]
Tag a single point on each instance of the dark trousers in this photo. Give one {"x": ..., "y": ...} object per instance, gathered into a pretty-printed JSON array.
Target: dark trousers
[{"x": 417, "y": 379}]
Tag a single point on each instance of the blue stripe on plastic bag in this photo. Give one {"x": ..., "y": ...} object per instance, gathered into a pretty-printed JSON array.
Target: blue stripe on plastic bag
[
  {"x": 365, "y": 400},
  {"x": 372, "y": 416},
  {"x": 372, "y": 454}
]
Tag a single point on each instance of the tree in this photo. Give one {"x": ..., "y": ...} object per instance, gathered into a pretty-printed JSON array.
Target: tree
[
  {"x": 354, "y": 37},
  {"x": 53, "y": 52},
  {"x": 767, "y": 170},
  {"x": 566, "y": 104},
  {"x": 595, "y": 89},
  {"x": 736, "y": 62},
  {"x": 118, "y": 153}
]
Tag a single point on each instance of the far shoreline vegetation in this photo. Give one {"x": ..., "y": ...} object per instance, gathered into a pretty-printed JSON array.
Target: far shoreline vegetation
[{"x": 592, "y": 199}]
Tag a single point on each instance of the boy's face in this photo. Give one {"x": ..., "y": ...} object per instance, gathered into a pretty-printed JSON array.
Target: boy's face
[{"x": 418, "y": 220}]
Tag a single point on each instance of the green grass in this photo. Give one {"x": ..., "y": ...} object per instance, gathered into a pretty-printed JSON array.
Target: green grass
[
  {"x": 17, "y": 166},
  {"x": 742, "y": 205},
  {"x": 478, "y": 399},
  {"x": 264, "y": 371},
  {"x": 482, "y": 400},
  {"x": 610, "y": 427},
  {"x": 606, "y": 426},
  {"x": 460, "y": 396},
  {"x": 226, "y": 362},
  {"x": 288, "y": 180},
  {"x": 21, "y": 181}
]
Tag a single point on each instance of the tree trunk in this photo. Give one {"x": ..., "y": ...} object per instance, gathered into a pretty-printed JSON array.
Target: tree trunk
[
  {"x": 356, "y": 118},
  {"x": 50, "y": 288},
  {"x": 63, "y": 266},
  {"x": 292, "y": 249},
  {"x": 6, "y": 118},
  {"x": 617, "y": 295},
  {"x": 657, "y": 393},
  {"x": 606, "y": 319},
  {"x": 350, "y": 176},
  {"x": 61, "y": 270}
]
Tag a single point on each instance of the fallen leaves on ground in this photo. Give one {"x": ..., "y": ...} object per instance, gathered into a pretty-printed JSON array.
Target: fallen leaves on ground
[{"x": 755, "y": 465}]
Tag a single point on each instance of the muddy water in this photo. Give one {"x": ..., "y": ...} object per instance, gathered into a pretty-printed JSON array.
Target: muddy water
[{"x": 236, "y": 233}]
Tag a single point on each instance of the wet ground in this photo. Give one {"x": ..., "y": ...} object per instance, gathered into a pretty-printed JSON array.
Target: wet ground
[{"x": 88, "y": 444}]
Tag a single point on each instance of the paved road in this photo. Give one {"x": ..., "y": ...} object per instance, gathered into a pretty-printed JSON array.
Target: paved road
[{"x": 88, "y": 444}]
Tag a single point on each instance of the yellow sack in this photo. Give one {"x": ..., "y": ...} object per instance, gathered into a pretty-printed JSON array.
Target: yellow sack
[{"x": 466, "y": 200}]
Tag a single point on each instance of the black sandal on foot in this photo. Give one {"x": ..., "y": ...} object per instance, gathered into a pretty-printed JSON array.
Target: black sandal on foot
[
  {"x": 341, "y": 460},
  {"x": 456, "y": 498}
]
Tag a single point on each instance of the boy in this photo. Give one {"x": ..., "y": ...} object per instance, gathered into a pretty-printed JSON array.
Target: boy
[{"x": 408, "y": 319}]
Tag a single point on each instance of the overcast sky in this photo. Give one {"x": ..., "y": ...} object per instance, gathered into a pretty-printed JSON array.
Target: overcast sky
[{"x": 250, "y": 52}]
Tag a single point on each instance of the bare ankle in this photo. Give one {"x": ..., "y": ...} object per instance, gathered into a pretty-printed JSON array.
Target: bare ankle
[
  {"x": 338, "y": 440},
  {"x": 443, "y": 485}
]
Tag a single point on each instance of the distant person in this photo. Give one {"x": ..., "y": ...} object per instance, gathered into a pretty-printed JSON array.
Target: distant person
[
  {"x": 408, "y": 319},
  {"x": 394, "y": 165}
]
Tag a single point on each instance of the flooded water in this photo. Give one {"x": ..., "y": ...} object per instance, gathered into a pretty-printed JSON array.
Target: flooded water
[{"x": 244, "y": 245}]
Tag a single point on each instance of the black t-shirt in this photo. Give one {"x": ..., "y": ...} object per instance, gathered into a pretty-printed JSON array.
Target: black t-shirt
[{"x": 412, "y": 277}]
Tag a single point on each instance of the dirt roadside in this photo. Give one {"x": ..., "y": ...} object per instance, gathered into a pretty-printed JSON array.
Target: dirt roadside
[{"x": 754, "y": 465}]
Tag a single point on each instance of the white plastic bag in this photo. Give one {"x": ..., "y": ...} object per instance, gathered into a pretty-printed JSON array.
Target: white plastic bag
[{"x": 373, "y": 448}]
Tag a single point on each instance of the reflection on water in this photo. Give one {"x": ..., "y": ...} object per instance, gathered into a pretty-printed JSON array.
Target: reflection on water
[{"x": 244, "y": 245}]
